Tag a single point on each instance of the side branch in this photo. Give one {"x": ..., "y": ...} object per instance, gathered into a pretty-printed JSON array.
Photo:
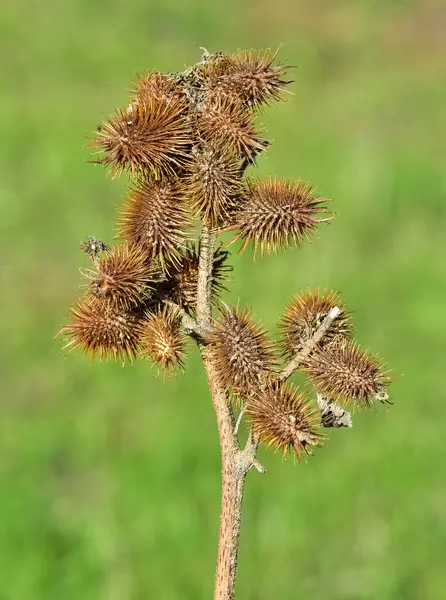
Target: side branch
[
  {"x": 247, "y": 457},
  {"x": 190, "y": 325},
  {"x": 310, "y": 344}
]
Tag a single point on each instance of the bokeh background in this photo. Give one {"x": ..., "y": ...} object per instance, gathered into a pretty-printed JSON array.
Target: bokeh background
[{"x": 109, "y": 478}]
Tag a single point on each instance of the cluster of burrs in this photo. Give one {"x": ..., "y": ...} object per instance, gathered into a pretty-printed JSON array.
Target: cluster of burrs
[{"x": 186, "y": 140}]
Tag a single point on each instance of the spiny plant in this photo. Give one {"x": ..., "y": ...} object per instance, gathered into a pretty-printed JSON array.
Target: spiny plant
[{"x": 187, "y": 140}]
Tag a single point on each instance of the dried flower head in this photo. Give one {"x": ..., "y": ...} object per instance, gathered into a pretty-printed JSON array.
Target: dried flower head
[
  {"x": 229, "y": 127},
  {"x": 305, "y": 313},
  {"x": 124, "y": 276},
  {"x": 162, "y": 339},
  {"x": 151, "y": 138},
  {"x": 248, "y": 77},
  {"x": 343, "y": 371},
  {"x": 182, "y": 280},
  {"x": 282, "y": 417},
  {"x": 242, "y": 354},
  {"x": 100, "y": 328},
  {"x": 277, "y": 213},
  {"x": 156, "y": 85},
  {"x": 213, "y": 183},
  {"x": 155, "y": 217}
]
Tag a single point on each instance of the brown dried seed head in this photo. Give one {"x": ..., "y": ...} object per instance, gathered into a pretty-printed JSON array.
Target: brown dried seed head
[
  {"x": 277, "y": 213},
  {"x": 151, "y": 138},
  {"x": 100, "y": 328},
  {"x": 124, "y": 276},
  {"x": 345, "y": 372},
  {"x": 162, "y": 339},
  {"x": 155, "y": 217},
  {"x": 305, "y": 313},
  {"x": 158, "y": 85},
  {"x": 242, "y": 354},
  {"x": 229, "y": 127},
  {"x": 182, "y": 281},
  {"x": 248, "y": 77},
  {"x": 214, "y": 69},
  {"x": 282, "y": 417},
  {"x": 213, "y": 183}
]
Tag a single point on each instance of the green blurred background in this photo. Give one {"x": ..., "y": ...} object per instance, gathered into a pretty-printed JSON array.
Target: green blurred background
[{"x": 109, "y": 478}]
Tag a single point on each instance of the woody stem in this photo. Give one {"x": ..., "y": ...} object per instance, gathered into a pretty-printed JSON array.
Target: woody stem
[
  {"x": 208, "y": 243},
  {"x": 235, "y": 463},
  {"x": 233, "y": 479}
]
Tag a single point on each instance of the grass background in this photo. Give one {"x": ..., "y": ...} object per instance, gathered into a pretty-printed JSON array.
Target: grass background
[{"x": 109, "y": 479}]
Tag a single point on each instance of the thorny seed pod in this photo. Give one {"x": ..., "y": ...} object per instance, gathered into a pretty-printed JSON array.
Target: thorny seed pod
[
  {"x": 124, "y": 276},
  {"x": 182, "y": 280},
  {"x": 242, "y": 354},
  {"x": 156, "y": 85},
  {"x": 275, "y": 214},
  {"x": 343, "y": 371},
  {"x": 248, "y": 77},
  {"x": 100, "y": 328},
  {"x": 229, "y": 127},
  {"x": 151, "y": 138},
  {"x": 155, "y": 217},
  {"x": 162, "y": 339},
  {"x": 282, "y": 417},
  {"x": 305, "y": 313},
  {"x": 213, "y": 183}
]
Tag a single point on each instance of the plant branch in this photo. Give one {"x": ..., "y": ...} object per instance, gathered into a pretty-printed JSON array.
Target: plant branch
[
  {"x": 239, "y": 420},
  {"x": 310, "y": 344},
  {"x": 247, "y": 456}
]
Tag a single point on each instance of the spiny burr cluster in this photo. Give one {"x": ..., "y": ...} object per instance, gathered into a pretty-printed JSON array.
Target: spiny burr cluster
[
  {"x": 246, "y": 362},
  {"x": 186, "y": 140}
]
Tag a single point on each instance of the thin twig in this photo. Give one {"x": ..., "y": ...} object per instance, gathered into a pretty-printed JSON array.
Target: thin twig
[
  {"x": 247, "y": 457},
  {"x": 310, "y": 344},
  {"x": 239, "y": 420}
]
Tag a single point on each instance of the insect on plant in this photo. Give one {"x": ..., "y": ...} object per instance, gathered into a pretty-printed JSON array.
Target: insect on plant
[{"x": 189, "y": 142}]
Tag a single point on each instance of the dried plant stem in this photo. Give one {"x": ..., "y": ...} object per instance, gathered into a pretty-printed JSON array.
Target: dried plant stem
[
  {"x": 310, "y": 344},
  {"x": 235, "y": 463},
  {"x": 233, "y": 479},
  {"x": 204, "y": 289}
]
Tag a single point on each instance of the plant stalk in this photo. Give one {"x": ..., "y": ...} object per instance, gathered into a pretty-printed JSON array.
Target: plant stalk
[
  {"x": 233, "y": 479},
  {"x": 208, "y": 243},
  {"x": 233, "y": 471}
]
